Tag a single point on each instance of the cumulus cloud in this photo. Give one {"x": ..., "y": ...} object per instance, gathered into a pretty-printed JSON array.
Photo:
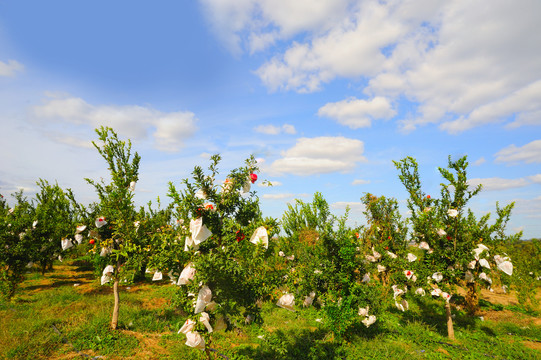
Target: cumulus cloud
[
  {"x": 320, "y": 155},
  {"x": 357, "y": 113},
  {"x": 10, "y": 68},
  {"x": 253, "y": 25},
  {"x": 496, "y": 183},
  {"x": 461, "y": 64},
  {"x": 535, "y": 178},
  {"x": 523, "y": 101},
  {"x": 531, "y": 208},
  {"x": 529, "y": 153},
  {"x": 353, "y": 205},
  {"x": 169, "y": 130},
  {"x": 284, "y": 196},
  {"x": 479, "y": 161},
  {"x": 275, "y": 130},
  {"x": 360, "y": 182}
]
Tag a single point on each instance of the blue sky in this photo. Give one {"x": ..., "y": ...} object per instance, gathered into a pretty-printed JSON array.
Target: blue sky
[{"x": 325, "y": 94}]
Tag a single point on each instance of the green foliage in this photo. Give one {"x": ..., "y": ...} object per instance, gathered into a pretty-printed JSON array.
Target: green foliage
[
  {"x": 57, "y": 215},
  {"x": 15, "y": 242},
  {"x": 527, "y": 279},
  {"x": 452, "y": 231},
  {"x": 226, "y": 262},
  {"x": 327, "y": 262},
  {"x": 116, "y": 201}
]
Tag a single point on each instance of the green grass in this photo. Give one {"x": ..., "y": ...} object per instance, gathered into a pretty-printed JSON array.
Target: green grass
[{"x": 149, "y": 325}]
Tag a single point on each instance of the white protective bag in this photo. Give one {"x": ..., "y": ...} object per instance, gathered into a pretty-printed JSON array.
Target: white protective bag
[
  {"x": 157, "y": 276},
  {"x": 66, "y": 244},
  {"x": 107, "y": 274},
  {"x": 205, "y": 320},
  {"x": 364, "y": 311},
  {"x": 79, "y": 238},
  {"x": 287, "y": 302},
  {"x": 188, "y": 326},
  {"x": 195, "y": 340},
  {"x": 204, "y": 297},
  {"x": 186, "y": 275},
  {"x": 199, "y": 231},
  {"x": 369, "y": 320},
  {"x": 309, "y": 299},
  {"x": 100, "y": 222},
  {"x": 506, "y": 267},
  {"x": 260, "y": 236}
]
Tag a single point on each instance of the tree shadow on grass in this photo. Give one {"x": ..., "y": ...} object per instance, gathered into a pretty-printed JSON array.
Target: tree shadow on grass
[
  {"x": 53, "y": 285},
  {"x": 432, "y": 313},
  {"x": 285, "y": 345}
]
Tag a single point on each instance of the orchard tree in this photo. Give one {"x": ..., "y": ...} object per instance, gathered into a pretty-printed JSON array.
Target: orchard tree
[
  {"x": 226, "y": 240},
  {"x": 57, "y": 215},
  {"x": 163, "y": 251},
  {"x": 387, "y": 254},
  {"x": 15, "y": 242},
  {"x": 115, "y": 231},
  {"x": 452, "y": 240},
  {"x": 325, "y": 266}
]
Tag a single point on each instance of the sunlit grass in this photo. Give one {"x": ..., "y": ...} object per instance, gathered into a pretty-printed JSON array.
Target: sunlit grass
[{"x": 149, "y": 325}]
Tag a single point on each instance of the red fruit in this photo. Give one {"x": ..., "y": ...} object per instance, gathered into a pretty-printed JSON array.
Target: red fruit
[
  {"x": 428, "y": 196},
  {"x": 357, "y": 234},
  {"x": 240, "y": 236},
  {"x": 448, "y": 237},
  {"x": 253, "y": 178},
  {"x": 92, "y": 241},
  {"x": 389, "y": 237},
  {"x": 209, "y": 207},
  {"x": 386, "y": 248}
]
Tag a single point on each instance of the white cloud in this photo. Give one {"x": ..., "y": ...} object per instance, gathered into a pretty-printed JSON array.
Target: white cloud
[
  {"x": 360, "y": 182},
  {"x": 275, "y": 130},
  {"x": 461, "y": 64},
  {"x": 269, "y": 184},
  {"x": 289, "y": 129},
  {"x": 351, "y": 48},
  {"x": 70, "y": 140},
  {"x": 170, "y": 129},
  {"x": 496, "y": 183},
  {"x": 253, "y": 25},
  {"x": 353, "y": 205},
  {"x": 479, "y": 161},
  {"x": 320, "y": 155},
  {"x": 475, "y": 67},
  {"x": 535, "y": 178},
  {"x": 529, "y": 153},
  {"x": 10, "y": 68},
  {"x": 523, "y": 101},
  {"x": 284, "y": 196},
  {"x": 357, "y": 113},
  {"x": 531, "y": 208}
]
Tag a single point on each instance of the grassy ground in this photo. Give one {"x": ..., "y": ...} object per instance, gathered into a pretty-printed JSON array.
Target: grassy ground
[{"x": 66, "y": 314}]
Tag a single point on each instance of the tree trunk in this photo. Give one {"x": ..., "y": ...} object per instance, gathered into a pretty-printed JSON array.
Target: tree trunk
[
  {"x": 472, "y": 299},
  {"x": 114, "y": 321},
  {"x": 450, "y": 329},
  {"x": 207, "y": 349}
]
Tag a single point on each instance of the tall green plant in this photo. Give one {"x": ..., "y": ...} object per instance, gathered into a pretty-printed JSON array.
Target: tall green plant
[
  {"x": 57, "y": 215},
  {"x": 452, "y": 238},
  {"x": 15, "y": 242},
  {"x": 325, "y": 263},
  {"x": 226, "y": 238},
  {"x": 116, "y": 229}
]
